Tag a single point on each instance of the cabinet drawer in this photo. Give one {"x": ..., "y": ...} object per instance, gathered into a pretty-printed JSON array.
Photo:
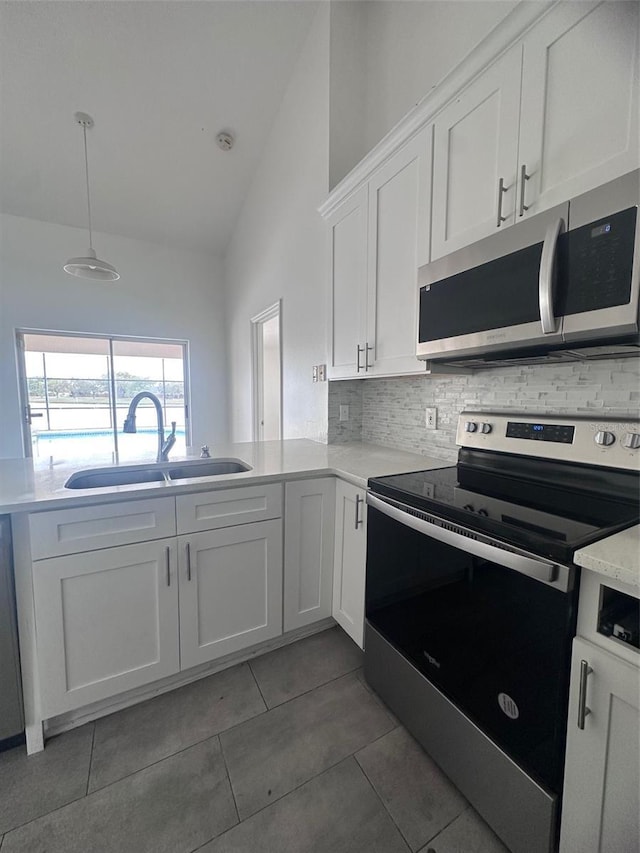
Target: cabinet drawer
[
  {"x": 71, "y": 531},
  {"x": 227, "y": 507}
]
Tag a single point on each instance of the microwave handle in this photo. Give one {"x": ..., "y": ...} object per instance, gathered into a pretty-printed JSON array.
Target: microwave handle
[
  {"x": 546, "y": 281},
  {"x": 539, "y": 570}
]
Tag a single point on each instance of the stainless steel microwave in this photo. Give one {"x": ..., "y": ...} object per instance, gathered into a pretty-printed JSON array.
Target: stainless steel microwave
[{"x": 563, "y": 284}]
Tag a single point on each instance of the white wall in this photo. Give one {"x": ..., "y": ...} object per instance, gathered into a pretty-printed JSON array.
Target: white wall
[
  {"x": 163, "y": 293},
  {"x": 407, "y": 46},
  {"x": 348, "y": 87},
  {"x": 278, "y": 249}
]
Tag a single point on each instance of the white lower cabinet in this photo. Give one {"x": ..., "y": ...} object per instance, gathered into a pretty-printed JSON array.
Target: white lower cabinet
[
  {"x": 309, "y": 513},
  {"x": 230, "y": 590},
  {"x": 107, "y": 621},
  {"x": 350, "y": 560},
  {"x": 601, "y": 808}
]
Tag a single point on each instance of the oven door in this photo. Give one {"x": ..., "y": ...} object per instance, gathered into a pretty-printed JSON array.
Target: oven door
[{"x": 490, "y": 628}]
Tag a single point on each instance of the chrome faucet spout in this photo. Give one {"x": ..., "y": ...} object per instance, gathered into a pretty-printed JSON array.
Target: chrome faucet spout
[{"x": 130, "y": 424}]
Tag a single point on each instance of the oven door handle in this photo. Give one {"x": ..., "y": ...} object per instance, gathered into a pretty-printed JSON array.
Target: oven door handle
[{"x": 530, "y": 566}]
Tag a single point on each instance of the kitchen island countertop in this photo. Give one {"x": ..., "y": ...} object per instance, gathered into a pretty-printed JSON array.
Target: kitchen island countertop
[{"x": 28, "y": 485}]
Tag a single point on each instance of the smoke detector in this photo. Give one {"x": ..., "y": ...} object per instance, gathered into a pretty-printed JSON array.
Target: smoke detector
[{"x": 225, "y": 140}]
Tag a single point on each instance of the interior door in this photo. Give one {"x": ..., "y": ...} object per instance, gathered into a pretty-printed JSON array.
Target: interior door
[{"x": 267, "y": 375}]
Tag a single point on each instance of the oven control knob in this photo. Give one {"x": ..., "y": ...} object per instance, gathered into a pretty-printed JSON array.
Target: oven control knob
[
  {"x": 605, "y": 438},
  {"x": 468, "y": 507},
  {"x": 632, "y": 440},
  {"x": 471, "y": 426},
  {"x": 486, "y": 428},
  {"x": 483, "y": 513}
]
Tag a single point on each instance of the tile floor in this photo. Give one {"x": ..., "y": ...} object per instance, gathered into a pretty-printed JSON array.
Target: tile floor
[{"x": 290, "y": 753}]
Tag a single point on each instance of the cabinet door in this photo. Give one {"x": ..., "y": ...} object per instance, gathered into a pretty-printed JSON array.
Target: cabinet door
[
  {"x": 348, "y": 283},
  {"x": 230, "y": 590},
  {"x": 602, "y": 785},
  {"x": 308, "y": 551},
  {"x": 350, "y": 560},
  {"x": 579, "y": 124},
  {"x": 475, "y": 147},
  {"x": 107, "y": 622},
  {"x": 399, "y": 224}
]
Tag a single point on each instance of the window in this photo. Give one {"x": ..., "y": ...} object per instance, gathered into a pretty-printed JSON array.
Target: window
[{"x": 77, "y": 392}]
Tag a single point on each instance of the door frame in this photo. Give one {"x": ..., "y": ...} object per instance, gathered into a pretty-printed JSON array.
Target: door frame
[{"x": 257, "y": 321}]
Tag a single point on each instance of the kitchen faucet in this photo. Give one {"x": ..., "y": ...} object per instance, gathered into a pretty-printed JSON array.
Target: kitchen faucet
[{"x": 164, "y": 445}]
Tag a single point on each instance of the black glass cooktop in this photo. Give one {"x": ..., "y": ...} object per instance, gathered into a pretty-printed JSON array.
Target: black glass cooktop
[{"x": 550, "y": 508}]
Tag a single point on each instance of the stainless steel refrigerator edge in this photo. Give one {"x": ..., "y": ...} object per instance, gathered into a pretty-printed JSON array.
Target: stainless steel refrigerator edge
[{"x": 11, "y": 716}]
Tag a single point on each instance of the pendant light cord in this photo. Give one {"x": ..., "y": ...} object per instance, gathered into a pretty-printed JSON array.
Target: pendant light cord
[{"x": 86, "y": 169}]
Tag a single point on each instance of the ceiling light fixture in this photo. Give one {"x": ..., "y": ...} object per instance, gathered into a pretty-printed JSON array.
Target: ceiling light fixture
[{"x": 89, "y": 266}]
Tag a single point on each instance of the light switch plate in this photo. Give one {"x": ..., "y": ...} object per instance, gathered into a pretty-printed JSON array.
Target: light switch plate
[{"x": 344, "y": 412}]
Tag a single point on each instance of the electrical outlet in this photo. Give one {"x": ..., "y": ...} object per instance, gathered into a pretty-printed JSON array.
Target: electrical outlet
[
  {"x": 322, "y": 373},
  {"x": 431, "y": 418},
  {"x": 344, "y": 413}
]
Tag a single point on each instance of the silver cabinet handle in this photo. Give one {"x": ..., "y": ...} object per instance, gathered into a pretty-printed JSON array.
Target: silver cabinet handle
[
  {"x": 359, "y": 349},
  {"x": 367, "y": 350},
  {"x": 188, "y": 561},
  {"x": 583, "y": 711},
  {"x": 168, "y": 560},
  {"x": 546, "y": 281},
  {"x": 501, "y": 191},
  {"x": 523, "y": 179},
  {"x": 359, "y": 501},
  {"x": 532, "y": 567}
]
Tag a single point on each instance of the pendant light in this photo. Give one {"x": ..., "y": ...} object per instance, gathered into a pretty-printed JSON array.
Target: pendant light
[{"x": 90, "y": 265}]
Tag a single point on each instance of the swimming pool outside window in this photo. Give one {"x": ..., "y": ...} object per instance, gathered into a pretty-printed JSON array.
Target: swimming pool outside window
[{"x": 77, "y": 390}]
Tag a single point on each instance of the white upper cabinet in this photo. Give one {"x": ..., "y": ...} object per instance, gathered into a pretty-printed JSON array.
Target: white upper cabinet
[
  {"x": 579, "y": 119},
  {"x": 378, "y": 237},
  {"x": 399, "y": 225},
  {"x": 554, "y": 117},
  {"x": 348, "y": 283},
  {"x": 475, "y": 158}
]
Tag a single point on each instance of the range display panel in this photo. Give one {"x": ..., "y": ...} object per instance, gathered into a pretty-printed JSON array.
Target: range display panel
[{"x": 541, "y": 432}]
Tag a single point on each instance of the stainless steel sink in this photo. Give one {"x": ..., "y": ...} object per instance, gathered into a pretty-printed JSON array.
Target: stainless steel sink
[
  {"x": 100, "y": 478},
  {"x": 208, "y": 469}
]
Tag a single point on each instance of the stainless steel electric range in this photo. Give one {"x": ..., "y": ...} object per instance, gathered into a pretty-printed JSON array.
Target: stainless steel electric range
[{"x": 471, "y": 600}]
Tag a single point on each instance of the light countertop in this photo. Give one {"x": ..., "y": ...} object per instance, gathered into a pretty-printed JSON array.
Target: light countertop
[
  {"x": 617, "y": 557},
  {"x": 27, "y": 485}
]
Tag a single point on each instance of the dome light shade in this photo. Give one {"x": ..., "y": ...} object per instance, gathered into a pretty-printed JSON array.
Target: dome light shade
[{"x": 90, "y": 266}]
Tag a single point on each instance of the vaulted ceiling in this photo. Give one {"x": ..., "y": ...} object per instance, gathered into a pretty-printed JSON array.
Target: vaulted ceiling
[{"x": 160, "y": 80}]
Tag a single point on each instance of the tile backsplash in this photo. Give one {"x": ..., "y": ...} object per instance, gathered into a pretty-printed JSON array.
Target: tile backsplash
[{"x": 391, "y": 411}]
